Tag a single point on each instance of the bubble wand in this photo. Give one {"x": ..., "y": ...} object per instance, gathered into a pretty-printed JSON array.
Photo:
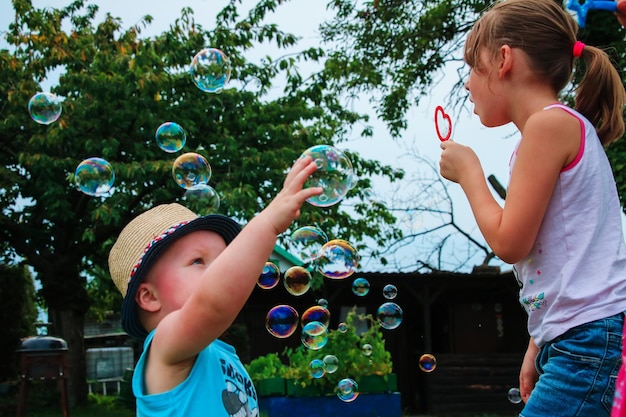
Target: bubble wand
[
  {"x": 581, "y": 8},
  {"x": 443, "y": 124}
]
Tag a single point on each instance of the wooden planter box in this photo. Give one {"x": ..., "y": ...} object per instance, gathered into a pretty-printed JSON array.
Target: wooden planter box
[
  {"x": 270, "y": 387},
  {"x": 378, "y": 383},
  {"x": 365, "y": 405}
]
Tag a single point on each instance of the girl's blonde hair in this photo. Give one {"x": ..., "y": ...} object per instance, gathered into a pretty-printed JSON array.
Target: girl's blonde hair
[{"x": 547, "y": 33}]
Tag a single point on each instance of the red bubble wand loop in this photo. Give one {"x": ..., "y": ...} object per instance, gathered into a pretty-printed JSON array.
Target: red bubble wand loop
[{"x": 443, "y": 124}]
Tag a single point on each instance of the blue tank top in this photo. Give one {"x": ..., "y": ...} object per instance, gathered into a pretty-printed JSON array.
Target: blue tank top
[{"x": 217, "y": 386}]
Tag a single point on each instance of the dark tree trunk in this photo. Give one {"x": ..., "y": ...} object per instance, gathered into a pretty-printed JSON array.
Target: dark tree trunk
[{"x": 68, "y": 324}]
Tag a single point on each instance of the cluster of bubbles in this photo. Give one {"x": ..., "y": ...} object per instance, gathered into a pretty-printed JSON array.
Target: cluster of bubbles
[
  {"x": 389, "y": 313},
  {"x": 210, "y": 71}
]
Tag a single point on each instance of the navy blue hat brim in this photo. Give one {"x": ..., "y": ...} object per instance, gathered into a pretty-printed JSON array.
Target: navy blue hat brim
[{"x": 226, "y": 227}]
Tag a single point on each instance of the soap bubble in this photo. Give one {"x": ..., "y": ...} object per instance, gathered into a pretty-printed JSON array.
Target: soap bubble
[
  {"x": 210, "y": 70},
  {"x": 367, "y": 349},
  {"x": 314, "y": 335},
  {"x": 334, "y": 174},
  {"x": 389, "y": 315},
  {"x": 342, "y": 327},
  {"x": 331, "y": 363},
  {"x": 306, "y": 242},
  {"x": 44, "y": 108},
  {"x": 203, "y": 199},
  {"x": 94, "y": 176},
  {"x": 316, "y": 368},
  {"x": 191, "y": 169},
  {"x": 337, "y": 259},
  {"x": 514, "y": 396},
  {"x": 390, "y": 291},
  {"x": 360, "y": 287},
  {"x": 297, "y": 280},
  {"x": 170, "y": 137},
  {"x": 315, "y": 313},
  {"x": 281, "y": 321},
  {"x": 427, "y": 362},
  {"x": 322, "y": 302},
  {"x": 270, "y": 276},
  {"x": 347, "y": 390}
]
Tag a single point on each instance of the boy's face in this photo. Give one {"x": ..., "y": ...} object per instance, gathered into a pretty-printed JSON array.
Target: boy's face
[{"x": 175, "y": 275}]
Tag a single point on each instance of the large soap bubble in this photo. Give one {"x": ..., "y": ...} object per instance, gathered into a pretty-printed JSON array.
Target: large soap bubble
[
  {"x": 191, "y": 169},
  {"x": 94, "y": 176},
  {"x": 337, "y": 259},
  {"x": 44, "y": 108},
  {"x": 307, "y": 241},
  {"x": 334, "y": 174},
  {"x": 282, "y": 321},
  {"x": 210, "y": 70},
  {"x": 170, "y": 137}
]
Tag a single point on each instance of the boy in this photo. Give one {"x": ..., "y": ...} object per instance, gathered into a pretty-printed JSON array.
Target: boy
[{"x": 184, "y": 279}]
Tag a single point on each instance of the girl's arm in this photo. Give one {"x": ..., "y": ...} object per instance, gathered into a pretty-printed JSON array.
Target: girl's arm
[
  {"x": 550, "y": 140},
  {"x": 528, "y": 375}
]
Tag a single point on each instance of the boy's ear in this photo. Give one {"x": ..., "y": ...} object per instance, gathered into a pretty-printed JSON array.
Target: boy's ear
[{"x": 146, "y": 298}]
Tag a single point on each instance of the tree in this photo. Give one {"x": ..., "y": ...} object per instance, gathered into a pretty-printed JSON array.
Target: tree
[
  {"x": 118, "y": 88},
  {"x": 392, "y": 51},
  {"x": 17, "y": 315}
]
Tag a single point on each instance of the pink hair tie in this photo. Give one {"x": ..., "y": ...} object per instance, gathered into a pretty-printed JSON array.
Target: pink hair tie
[{"x": 578, "y": 49}]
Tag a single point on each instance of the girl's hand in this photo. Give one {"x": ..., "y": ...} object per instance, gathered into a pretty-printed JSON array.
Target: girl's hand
[
  {"x": 528, "y": 375},
  {"x": 457, "y": 161}
]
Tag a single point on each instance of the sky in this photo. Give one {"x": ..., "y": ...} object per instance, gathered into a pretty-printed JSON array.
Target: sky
[{"x": 302, "y": 17}]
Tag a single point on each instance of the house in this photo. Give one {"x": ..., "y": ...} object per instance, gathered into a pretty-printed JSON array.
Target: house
[{"x": 471, "y": 323}]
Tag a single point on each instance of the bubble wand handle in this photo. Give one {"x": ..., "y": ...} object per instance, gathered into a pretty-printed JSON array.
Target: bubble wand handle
[{"x": 583, "y": 8}]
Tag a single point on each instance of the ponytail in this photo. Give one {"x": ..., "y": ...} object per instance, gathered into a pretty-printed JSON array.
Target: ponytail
[{"x": 600, "y": 95}]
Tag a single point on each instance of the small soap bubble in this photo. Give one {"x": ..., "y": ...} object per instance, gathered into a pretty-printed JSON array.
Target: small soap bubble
[
  {"x": 334, "y": 175},
  {"x": 170, "y": 137},
  {"x": 282, "y": 321},
  {"x": 191, "y": 169},
  {"x": 389, "y": 315},
  {"x": 314, "y": 335},
  {"x": 315, "y": 313},
  {"x": 337, "y": 259},
  {"x": 306, "y": 242},
  {"x": 322, "y": 302},
  {"x": 270, "y": 276},
  {"x": 44, "y": 108},
  {"x": 316, "y": 368},
  {"x": 390, "y": 291},
  {"x": 202, "y": 199},
  {"x": 331, "y": 363},
  {"x": 360, "y": 287},
  {"x": 297, "y": 280},
  {"x": 94, "y": 176},
  {"x": 367, "y": 349},
  {"x": 342, "y": 327},
  {"x": 210, "y": 70},
  {"x": 347, "y": 390},
  {"x": 427, "y": 362},
  {"x": 514, "y": 396}
]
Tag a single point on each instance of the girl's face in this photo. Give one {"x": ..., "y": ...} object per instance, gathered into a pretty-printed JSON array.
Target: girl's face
[
  {"x": 485, "y": 91},
  {"x": 180, "y": 268}
]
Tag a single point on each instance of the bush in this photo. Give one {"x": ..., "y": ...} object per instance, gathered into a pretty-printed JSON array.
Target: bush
[{"x": 347, "y": 346}]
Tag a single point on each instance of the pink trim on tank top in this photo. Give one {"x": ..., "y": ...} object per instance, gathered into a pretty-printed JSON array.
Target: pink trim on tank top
[{"x": 581, "y": 148}]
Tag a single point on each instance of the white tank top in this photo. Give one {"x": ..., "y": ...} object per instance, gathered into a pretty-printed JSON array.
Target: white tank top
[{"x": 576, "y": 271}]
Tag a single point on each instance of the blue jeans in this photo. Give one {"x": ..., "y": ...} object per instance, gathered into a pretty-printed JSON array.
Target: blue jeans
[{"x": 577, "y": 371}]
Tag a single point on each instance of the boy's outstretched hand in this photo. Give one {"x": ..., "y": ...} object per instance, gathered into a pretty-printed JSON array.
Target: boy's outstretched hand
[{"x": 285, "y": 207}]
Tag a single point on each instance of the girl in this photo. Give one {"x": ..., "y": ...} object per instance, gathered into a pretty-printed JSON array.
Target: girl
[{"x": 561, "y": 223}]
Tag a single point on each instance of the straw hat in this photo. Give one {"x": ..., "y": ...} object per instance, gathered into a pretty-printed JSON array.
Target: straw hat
[{"x": 143, "y": 240}]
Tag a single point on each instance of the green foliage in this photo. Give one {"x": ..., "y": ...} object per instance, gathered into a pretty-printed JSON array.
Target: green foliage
[
  {"x": 118, "y": 87},
  {"x": 347, "y": 347}
]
